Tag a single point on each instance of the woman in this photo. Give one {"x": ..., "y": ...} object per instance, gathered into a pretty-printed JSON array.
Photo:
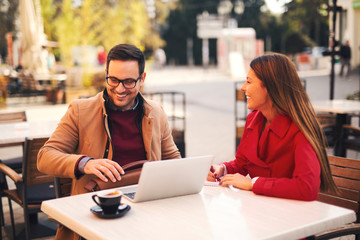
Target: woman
[{"x": 282, "y": 148}]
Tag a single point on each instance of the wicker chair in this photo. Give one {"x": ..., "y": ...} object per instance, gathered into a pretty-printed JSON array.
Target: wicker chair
[
  {"x": 32, "y": 187},
  {"x": 346, "y": 174}
]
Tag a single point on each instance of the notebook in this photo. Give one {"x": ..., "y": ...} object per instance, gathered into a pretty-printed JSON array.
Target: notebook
[{"x": 169, "y": 178}]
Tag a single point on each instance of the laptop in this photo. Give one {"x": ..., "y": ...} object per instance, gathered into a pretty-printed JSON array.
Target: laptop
[{"x": 169, "y": 178}]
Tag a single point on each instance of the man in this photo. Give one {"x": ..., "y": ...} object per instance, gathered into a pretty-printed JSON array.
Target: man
[
  {"x": 345, "y": 56},
  {"x": 98, "y": 135}
]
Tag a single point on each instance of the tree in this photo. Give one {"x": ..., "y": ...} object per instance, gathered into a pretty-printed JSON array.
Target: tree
[
  {"x": 304, "y": 17},
  {"x": 48, "y": 11},
  {"x": 103, "y": 22},
  {"x": 89, "y": 15},
  {"x": 67, "y": 31},
  {"x": 182, "y": 27}
]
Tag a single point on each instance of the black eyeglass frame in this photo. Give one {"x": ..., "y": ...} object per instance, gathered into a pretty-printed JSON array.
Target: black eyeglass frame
[{"x": 122, "y": 81}]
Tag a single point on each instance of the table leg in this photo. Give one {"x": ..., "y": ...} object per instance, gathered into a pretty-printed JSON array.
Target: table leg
[{"x": 341, "y": 119}]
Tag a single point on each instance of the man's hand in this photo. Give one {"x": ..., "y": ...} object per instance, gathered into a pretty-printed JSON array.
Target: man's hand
[{"x": 104, "y": 169}]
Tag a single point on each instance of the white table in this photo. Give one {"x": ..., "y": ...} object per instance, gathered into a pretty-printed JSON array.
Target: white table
[
  {"x": 339, "y": 106},
  {"x": 15, "y": 133},
  {"x": 342, "y": 108},
  {"x": 215, "y": 213}
]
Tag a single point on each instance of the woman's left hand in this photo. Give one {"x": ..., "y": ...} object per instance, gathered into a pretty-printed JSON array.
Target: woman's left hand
[{"x": 237, "y": 180}]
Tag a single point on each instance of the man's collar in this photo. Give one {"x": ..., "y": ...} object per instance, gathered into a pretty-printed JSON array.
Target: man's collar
[{"x": 114, "y": 108}]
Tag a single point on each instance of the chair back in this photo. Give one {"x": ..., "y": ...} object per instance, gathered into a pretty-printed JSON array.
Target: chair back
[
  {"x": 240, "y": 97},
  {"x": 240, "y": 115},
  {"x": 326, "y": 119},
  {"x": 350, "y": 138},
  {"x": 33, "y": 187},
  {"x": 12, "y": 117},
  {"x": 31, "y": 174},
  {"x": 327, "y": 123},
  {"x": 174, "y": 104},
  {"x": 62, "y": 187},
  {"x": 346, "y": 174}
]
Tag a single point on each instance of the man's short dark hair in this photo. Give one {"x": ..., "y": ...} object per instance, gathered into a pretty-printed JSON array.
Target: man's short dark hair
[{"x": 126, "y": 52}]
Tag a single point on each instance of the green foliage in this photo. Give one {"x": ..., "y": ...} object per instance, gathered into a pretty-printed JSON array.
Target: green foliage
[
  {"x": 304, "y": 22},
  {"x": 88, "y": 77},
  {"x": 67, "y": 31},
  {"x": 89, "y": 15},
  {"x": 48, "y": 11},
  {"x": 136, "y": 22},
  {"x": 306, "y": 17},
  {"x": 112, "y": 26},
  {"x": 99, "y": 22},
  {"x": 182, "y": 26},
  {"x": 109, "y": 22},
  {"x": 296, "y": 42}
]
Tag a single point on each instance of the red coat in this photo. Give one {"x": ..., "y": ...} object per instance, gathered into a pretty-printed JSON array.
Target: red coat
[{"x": 283, "y": 159}]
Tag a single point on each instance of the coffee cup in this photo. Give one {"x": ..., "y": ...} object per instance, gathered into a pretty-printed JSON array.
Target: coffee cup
[{"x": 109, "y": 201}]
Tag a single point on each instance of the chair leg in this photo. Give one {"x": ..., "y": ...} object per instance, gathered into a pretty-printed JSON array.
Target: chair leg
[
  {"x": 2, "y": 219},
  {"x": 3, "y": 185},
  {"x": 12, "y": 218},
  {"x": 27, "y": 224}
]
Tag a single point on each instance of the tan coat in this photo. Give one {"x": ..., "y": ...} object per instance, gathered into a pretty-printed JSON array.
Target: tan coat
[{"x": 83, "y": 131}]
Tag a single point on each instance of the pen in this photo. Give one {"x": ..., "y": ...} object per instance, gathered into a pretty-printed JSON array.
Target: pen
[{"x": 213, "y": 171}]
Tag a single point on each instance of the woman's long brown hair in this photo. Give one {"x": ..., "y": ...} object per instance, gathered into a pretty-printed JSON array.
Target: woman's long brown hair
[{"x": 286, "y": 91}]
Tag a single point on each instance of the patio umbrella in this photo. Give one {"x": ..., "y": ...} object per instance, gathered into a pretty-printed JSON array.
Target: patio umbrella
[{"x": 32, "y": 36}]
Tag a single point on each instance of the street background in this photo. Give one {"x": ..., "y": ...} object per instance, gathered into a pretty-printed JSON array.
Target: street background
[{"x": 210, "y": 99}]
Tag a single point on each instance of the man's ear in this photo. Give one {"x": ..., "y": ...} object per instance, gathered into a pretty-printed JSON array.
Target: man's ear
[
  {"x": 142, "y": 80},
  {"x": 143, "y": 76}
]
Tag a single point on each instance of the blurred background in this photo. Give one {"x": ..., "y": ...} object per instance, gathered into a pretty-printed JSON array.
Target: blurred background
[
  {"x": 46, "y": 38},
  {"x": 54, "y": 51}
]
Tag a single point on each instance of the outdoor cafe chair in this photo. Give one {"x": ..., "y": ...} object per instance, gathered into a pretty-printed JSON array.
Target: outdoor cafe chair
[
  {"x": 32, "y": 187},
  {"x": 15, "y": 162},
  {"x": 62, "y": 187},
  {"x": 346, "y": 174},
  {"x": 350, "y": 138},
  {"x": 328, "y": 125},
  {"x": 174, "y": 104},
  {"x": 8, "y": 117},
  {"x": 240, "y": 115}
]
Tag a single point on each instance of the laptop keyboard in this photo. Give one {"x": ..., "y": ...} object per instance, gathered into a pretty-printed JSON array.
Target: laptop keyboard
[{"x": 130, "y": 195}]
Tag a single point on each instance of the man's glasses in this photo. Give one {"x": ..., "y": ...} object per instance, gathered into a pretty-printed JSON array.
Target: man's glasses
[{"x": 127, "y": 83}]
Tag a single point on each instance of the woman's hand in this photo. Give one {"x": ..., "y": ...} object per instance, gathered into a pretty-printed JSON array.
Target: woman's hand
[
  {"x": 216, "y": 171},
  {"x": 237, "y": 180}
]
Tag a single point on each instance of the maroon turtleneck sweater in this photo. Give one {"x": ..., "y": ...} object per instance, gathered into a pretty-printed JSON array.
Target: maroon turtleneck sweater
[{"x": 126, "y": 138}]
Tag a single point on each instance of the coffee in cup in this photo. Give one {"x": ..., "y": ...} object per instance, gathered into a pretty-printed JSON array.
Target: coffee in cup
[{"x": 109, "y": 201}]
